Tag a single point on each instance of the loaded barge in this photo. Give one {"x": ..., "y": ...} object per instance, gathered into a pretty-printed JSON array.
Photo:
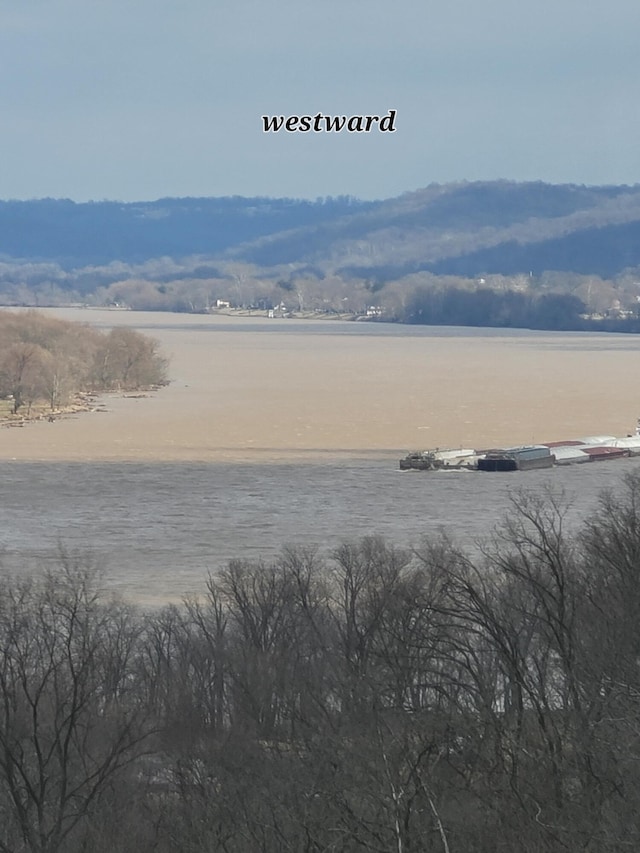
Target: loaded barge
[{"x": 593, "y": 448}]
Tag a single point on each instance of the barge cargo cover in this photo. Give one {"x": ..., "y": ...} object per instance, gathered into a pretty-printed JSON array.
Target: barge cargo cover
[{"x": 517, "y": 459}]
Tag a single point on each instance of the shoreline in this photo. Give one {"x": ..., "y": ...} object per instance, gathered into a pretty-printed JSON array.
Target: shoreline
[{"x": 42, "y": 412}]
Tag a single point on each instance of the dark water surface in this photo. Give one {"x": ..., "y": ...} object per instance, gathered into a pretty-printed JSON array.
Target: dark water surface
[{"x": 159, "y": 528}]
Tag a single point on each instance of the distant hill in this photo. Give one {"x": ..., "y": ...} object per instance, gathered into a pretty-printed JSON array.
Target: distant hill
[
  {"x": 466, "y": 229},
  {"x": 81, "y": 234},
  {"x": 493, "y": 253},
  {"x": 472, "y": 229}
]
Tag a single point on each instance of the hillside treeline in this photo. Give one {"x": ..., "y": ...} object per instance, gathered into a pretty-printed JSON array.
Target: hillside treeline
[
  {"x": 462, "y": 228},
  {"x": 471, "y": 229},
  {"x": 98, "y": 232},
  {"x": 375, "y": 699},
  {"x": 45, "y": 360},
  {"x": 484, "y": 307},
  {"x": 332, "y": 256}
]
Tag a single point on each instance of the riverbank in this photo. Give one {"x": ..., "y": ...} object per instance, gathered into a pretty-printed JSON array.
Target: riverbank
[{"x": 42, "y": 411}]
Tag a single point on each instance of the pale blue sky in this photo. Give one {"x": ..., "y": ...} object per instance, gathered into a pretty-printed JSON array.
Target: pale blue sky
[{"x": 107, "y": 99}]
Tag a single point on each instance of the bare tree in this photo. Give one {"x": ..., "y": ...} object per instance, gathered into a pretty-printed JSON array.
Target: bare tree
[
  {"x": 20, "y": 373},
  {"x": 70, "y": 718}
]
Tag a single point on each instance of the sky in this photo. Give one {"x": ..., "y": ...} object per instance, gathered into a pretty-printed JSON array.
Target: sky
[{"x": 143, "y": 99}]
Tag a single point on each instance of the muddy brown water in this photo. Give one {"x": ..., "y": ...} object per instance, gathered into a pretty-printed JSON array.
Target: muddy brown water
[{"x": 275, "y": 432}]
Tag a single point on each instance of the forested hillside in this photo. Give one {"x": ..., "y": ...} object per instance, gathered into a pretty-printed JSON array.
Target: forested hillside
[
  {"x": 74, "y": 235},
  {"x": 425, "y": 229},
  {"x": 339, "y": 256},
  {"x": 441, "y": 228}
]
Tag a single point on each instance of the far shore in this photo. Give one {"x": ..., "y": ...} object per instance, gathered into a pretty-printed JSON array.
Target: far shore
[{"x": 255, "y": 313}]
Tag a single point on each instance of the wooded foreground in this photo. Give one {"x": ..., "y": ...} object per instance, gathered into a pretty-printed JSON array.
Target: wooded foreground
[
  {"x": 49, "y": 361},
  {"x": 374, "y": 699}
]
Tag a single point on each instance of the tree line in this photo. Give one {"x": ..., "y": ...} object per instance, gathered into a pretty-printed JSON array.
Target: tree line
[
  {"x": 377, "y": 698},
  {"x": 551, "y": 300},
  {"x": 485, "y": 307},
  {"x": 45, "y": 360},
  {"x": 490, "y": 308}
]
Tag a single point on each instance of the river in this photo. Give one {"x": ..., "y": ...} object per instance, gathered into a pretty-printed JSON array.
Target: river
[{"x": 290, "y": 433}]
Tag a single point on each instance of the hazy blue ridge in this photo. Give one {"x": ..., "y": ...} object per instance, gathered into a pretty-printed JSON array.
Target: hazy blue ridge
[{"x": 460, "y": 229}]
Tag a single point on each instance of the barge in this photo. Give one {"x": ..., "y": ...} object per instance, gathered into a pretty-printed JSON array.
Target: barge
[
  {"x": 592, "y": 448},
  {"x": 517, "y": 459}
]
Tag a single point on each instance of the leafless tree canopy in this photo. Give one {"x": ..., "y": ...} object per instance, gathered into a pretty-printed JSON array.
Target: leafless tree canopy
[
  {"x": 48, "y": 360},
  {"x": 377, "y": 699}
]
